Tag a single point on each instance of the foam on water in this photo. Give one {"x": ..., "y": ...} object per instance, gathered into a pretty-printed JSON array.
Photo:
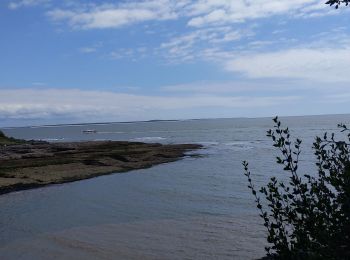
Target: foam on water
[{"x": 148, "y": 139}]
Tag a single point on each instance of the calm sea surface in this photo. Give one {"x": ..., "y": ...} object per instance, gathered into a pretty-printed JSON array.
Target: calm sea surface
[{"x": 195, "y": 208}]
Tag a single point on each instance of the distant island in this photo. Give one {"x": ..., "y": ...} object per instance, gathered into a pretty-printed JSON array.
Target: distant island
[{"x": 31, "y": 164}]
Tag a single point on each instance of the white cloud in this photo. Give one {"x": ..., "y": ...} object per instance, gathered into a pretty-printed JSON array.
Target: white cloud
[
  {"x": 24, "y": 3},
  {"x": 52, "y": 106},
  {"x": 123, "y": 53},
  {"x": 131, "y": 54},
  {"x": 197, "y": 43},
  {"x": 87, "y": 49},
  {"x": 211, "y": 32},
  {"x": 90, "y": 49},
  {"x": 104, "y": 105},
  {"x": 314, "y": 64},
  {"x": 200, "y": 13},
  {"x": 114, "y": 16},
  {"x": 209, "y": 87},
  {"x": 339, "y": 98},
  {"x": 214, "y": 12},
  {"x": 238, "y": 87}
]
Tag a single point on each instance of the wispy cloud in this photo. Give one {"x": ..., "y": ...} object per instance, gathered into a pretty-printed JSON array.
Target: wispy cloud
[
  {"x": 104, "y": 105},
  {"x": 200, "y": 13},
  {"x": 114, "y": 15},
  {"x": 87, "y": 49},
  {"x": 339, "y": 98},
  {"x": 122, "y": 53},
  {"x": 39, "y": 84},
  {"x": 196, "y": 43},
  {"x": 13, "y": 5},
  {"x": 92, "y": 48},
  {"x": 211, "y": 29},
  {"x": 219, "y": 12},
  {"x": 237, "y": 87},
  {"x": 320, "y": 58},
  {"x": 320, "y": 65}
]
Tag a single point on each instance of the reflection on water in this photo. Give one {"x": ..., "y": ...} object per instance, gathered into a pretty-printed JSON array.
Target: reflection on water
[
  {"x": 203, "y": 237},
  {"x": 196, "y": 208}
]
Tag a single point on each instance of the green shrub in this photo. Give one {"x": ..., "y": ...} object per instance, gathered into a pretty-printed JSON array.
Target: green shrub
[
  {"x": 337, "y": 3},
  {"x": 2, "y": 134},
  {"x": 4, "y": 140},
  {"x": 309, "y": 216}
]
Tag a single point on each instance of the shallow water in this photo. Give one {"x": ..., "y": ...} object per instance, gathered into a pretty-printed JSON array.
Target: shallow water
[{"x": 195, "y": 208}]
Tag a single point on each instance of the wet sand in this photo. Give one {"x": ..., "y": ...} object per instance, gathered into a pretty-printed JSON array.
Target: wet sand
[{"x": 36, "y": 164}]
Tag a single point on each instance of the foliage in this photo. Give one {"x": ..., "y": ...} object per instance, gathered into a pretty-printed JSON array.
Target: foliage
[
  {"x": 4, "y": 140},
  {"x": 308, "y": 217},
  {"x": 337, "y": 3}
]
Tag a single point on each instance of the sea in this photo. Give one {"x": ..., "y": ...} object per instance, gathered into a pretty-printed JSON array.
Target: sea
[{"x": 196, "y": 208}]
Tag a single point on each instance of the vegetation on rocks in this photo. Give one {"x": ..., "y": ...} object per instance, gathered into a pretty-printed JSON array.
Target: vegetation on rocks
[{"x": 4, "y": 140}]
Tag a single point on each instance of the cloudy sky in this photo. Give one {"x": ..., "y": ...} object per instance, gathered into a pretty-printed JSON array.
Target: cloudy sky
[{"x": 65, "y": 61}]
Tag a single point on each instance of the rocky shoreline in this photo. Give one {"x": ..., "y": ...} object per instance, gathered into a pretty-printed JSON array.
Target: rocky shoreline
[{"x": 35, "y": 164}]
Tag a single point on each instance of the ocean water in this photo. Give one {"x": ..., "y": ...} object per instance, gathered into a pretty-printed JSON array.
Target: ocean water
[{"x": 195, "y": 208}]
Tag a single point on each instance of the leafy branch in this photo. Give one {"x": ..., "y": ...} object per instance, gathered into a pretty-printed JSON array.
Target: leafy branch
[{"x": 307, "y": 217}]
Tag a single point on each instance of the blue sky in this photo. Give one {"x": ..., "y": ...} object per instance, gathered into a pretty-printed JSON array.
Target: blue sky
[{"x": 74, "y": 61}]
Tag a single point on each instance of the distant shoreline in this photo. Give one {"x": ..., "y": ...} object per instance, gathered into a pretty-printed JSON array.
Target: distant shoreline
[
  {"x": 166, "y": 120},
  {"x": 36, "y": 164},
  {"x": 98, "y": 123}
]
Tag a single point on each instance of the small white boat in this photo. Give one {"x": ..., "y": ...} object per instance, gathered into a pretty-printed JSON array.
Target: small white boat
[{"x": 89, "y": 131}]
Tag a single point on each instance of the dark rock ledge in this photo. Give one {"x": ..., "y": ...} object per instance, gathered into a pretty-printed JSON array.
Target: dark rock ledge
[{"x": 27, "y": 165}]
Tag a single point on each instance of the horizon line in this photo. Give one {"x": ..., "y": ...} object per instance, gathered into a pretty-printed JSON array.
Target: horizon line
[{"x": 165, "y": 120}]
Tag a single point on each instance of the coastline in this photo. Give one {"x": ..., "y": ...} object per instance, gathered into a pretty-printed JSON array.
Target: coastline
[{"x": 36, "y": 164}]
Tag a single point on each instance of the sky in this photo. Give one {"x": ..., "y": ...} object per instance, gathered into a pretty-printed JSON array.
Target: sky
[{"x": 74, "y": 61}]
